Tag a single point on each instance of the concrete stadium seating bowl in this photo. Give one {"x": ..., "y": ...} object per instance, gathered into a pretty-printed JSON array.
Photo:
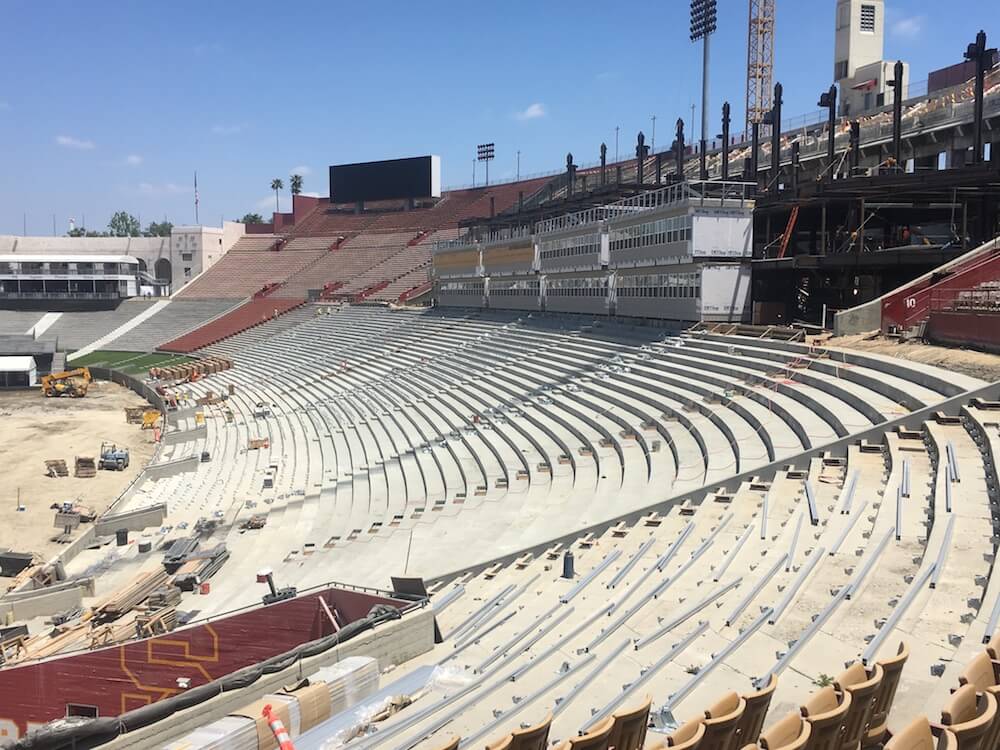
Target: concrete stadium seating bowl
[{"x": 475, "y": 449}]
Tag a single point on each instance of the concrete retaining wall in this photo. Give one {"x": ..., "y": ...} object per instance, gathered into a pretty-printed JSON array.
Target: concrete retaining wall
[
  {"x": 27, "y": 605},
  {"x": 172, "y": 468},
  {"x": 180, "y": 436},
  {"x": 860, "y": 319},
  {"x": 135, "y": 520},
  {"x": 393, "y": 643}
]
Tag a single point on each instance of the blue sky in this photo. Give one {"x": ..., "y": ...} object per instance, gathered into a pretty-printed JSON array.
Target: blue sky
[{"x": 114, "y": 105}]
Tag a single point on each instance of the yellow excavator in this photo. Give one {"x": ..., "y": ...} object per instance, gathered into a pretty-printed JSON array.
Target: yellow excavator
[{"x": 72, "y": 383}]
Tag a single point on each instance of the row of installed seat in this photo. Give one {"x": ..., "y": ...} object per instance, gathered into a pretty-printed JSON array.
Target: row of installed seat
[
  {"x": 402, "y": 428},
  {"x": 250, "y": 265},
  {"x": 252, "y": 313}
]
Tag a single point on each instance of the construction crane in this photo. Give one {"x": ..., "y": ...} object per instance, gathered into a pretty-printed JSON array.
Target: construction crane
[
  {"x": 760, "y": 61},
  {"x": 72, "y": 383}
]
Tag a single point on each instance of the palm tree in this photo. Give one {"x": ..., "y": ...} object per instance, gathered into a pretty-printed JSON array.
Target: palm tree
[
  {"x": 295, "y": 184},
  {"x": 276, "y": 185}
]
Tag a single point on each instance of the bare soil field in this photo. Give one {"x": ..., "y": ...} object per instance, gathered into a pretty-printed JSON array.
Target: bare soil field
[
  {"x": 965, "y": 361},
  {"x": 34, "y": 429}
]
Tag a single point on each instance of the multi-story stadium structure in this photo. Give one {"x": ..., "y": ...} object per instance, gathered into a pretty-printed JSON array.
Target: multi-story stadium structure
[{"x": 554, "y": 460}]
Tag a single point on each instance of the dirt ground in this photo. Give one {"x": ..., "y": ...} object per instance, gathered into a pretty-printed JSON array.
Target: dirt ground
[
  {"x": 34, "y": 429},
  {"x": 965, "y": 361}
]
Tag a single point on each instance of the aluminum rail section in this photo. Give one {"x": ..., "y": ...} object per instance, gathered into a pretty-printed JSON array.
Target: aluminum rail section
[
  {"x": 785, "y": 659},
  {"x": 752, "y": 593},
  {"x": 851, "y": 521},
  {"x": 897, "y": 614},
  {"x": 684, "y": 690},
  {"x": 440, "y": 605},
  {"x": 627, "y": 568},
  {"x": 478, "y": 614},
  {"x": 859, "y": 578},
  {"x": 508, "y": 647},
  {"x": 507, "y": 715},
  {"x": 660, "y": 588},
  {"x": 942, "y": 554},
  {"x": 687, "y": 614},
  {"x": 811, "y": 501},
  {"x": 646, "y": 676},
  {"x": 848, "y": 494},
  {"x": 792, "y": 590},
  {"x": 837, "y": 447},
  {"x": 721, "y": 570},
  {"x": 953, "y": 461},
  {"x": 583, "y": 582},
  {"x": 563, "y": 703},
  {"x": 991, "y": 623},
  {"x": 790, "y": 557}
]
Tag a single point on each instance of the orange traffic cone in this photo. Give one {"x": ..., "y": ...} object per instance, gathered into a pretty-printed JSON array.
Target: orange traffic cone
[{"x": 280, "y": 733}]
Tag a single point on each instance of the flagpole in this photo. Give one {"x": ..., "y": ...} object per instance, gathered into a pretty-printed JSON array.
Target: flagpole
[{"x": 196, "y": 197}]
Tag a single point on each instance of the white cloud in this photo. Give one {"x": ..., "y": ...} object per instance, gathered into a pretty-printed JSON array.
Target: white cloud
[
  {"x": 302, "y": 170},
  {"x": 133, "y": 160},
  {"x": 909, "y": 27},
  {"x": 68, "y": 141},
  {"x": 533, "y": 112},
  {"x": 232, "y": 129}
]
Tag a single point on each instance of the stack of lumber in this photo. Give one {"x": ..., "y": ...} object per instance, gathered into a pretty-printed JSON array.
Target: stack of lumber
[
  {"x": 178, "y": 552},
  {"x": 155, "y": 623},
  {"x": 129, "y": 596},
  {"x": 206, "y": 366},
  {"x": 56, "y": 468},
  {"x": 165, "y": 596},
  {"x": 200, "y": 566},
  {"x": 85, "y": 467}
]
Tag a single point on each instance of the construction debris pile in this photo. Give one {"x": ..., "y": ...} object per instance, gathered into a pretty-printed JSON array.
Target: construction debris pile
[
  {"x": 143, "y": 607},
  {"x": 191, "y": 371}
]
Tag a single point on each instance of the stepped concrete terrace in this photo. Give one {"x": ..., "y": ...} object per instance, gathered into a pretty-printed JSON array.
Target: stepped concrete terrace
[{"x": 433, "y": 442}]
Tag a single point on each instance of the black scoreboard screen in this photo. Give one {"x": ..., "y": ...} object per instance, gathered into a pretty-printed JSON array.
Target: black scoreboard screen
[{"x": 416, "y": 177}]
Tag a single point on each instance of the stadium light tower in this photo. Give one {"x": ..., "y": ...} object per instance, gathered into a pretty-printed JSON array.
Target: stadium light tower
[
  {"x": 760, "y": 60},
  {"x": 485, "y": 152},
  {"x": 703, "y": 24}
]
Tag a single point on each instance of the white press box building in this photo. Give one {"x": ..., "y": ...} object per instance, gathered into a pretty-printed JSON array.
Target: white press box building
[{"x": 680, "y": 252}]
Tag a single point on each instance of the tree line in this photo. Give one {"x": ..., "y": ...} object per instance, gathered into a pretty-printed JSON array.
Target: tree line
[{"x": 124, "y": 224}]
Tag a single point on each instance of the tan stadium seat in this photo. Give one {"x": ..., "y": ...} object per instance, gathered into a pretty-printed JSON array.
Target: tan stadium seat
[
  {"x": 721, "y": 721},
  {"x": 826, "y": 711},
  {"x": 502, "y": 744},
  {"x": 451, "y": 744},
  {"x": 595, "y": 739},
  {"x": 532, "y": 738},
  {"x": 981, "y": 673},
  {"x": 970, "y": 716},
  {"x": 629, "y": 730},
  {"x": 892, "y": 669},
  {"x": 993, "y": 647},
  {"x": 789, "y": 733},
  {"x": 918, "y": 736},
  {"x": 752, "y": 722},
  {"x": 863, "y": 685},
  {"x": 687, "y": 736}
]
